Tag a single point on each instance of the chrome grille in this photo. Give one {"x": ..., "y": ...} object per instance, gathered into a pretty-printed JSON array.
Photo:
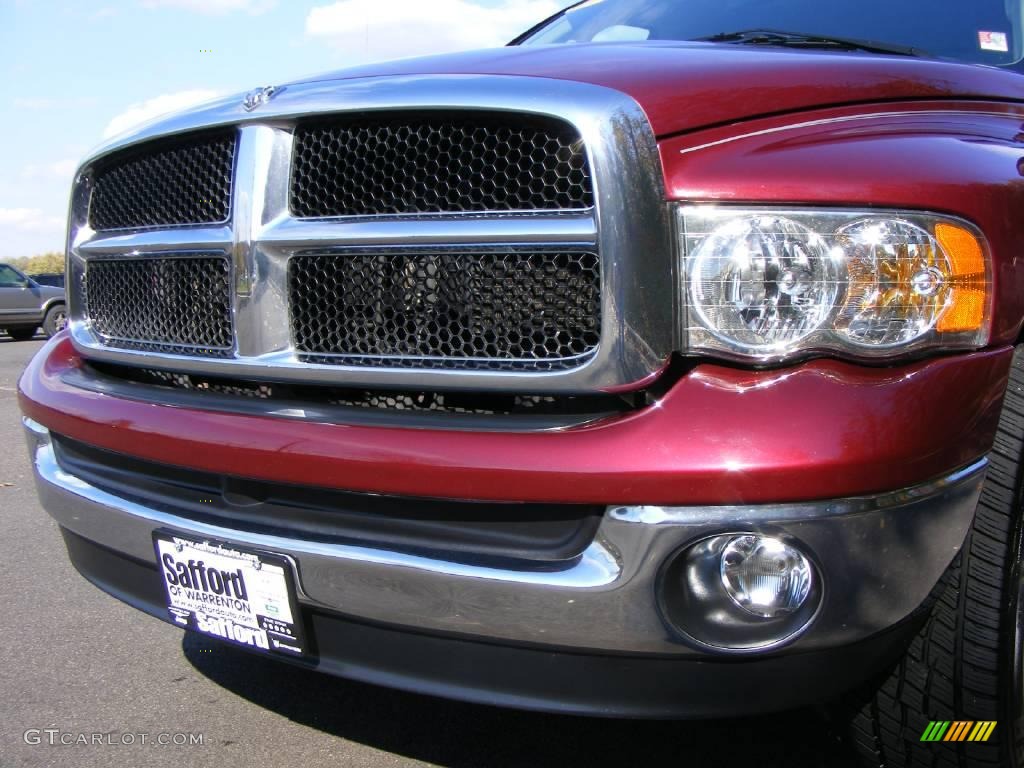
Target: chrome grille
[
  {"x": 405, "y": 265},
  {"x": 451, "y": 308},
  {"x": 412, "y": 164},
  {"x": 173, "y": 304},
  {"x": 169, "y": 183}
]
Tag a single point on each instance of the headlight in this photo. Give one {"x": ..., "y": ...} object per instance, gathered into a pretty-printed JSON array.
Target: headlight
[{"x": 773, "y": 284}]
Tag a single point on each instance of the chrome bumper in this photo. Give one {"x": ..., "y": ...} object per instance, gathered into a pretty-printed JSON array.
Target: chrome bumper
[{"x": 879, "y": 556}]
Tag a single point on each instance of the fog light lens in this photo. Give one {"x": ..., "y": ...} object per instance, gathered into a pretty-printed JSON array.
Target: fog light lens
[{"x": 765, "y": 576}]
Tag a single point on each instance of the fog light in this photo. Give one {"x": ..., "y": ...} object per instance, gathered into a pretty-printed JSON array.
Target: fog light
[
  {"x": 765, "y": 576},
  {"x": 741, "y": 592}
]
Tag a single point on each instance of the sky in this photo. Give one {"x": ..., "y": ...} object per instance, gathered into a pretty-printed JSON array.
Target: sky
[{"x": 76, "y": 72}]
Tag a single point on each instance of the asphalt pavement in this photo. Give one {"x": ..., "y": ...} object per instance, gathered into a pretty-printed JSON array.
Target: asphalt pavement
[{"x": 79, "y": 667}]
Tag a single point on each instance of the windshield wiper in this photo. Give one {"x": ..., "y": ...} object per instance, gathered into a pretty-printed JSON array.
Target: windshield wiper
[{"x": 799, "y": 40}]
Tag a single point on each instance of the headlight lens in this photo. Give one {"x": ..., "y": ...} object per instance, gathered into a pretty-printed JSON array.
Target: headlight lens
[{"x": 771, "y": 285}]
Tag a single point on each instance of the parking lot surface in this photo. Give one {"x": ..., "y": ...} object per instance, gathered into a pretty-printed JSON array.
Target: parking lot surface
[{"x": 77, "y": 664}]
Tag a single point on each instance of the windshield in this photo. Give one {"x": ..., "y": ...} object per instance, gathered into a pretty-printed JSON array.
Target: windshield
[{"x": 976, "y": 31}]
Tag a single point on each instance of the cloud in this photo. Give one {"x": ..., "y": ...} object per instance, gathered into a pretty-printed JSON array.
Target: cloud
[
  {"x": 214, "y": 7},
  {"x": 371, "y": 30},
  {"x": 30, "y": 220},
  {"x": 145, "y": 111}
]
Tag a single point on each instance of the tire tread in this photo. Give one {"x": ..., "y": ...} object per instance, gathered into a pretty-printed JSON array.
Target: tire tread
[{"x": 954, "y": 668}]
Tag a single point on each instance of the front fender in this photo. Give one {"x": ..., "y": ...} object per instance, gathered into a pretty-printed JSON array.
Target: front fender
[{"x": 53, "y": 301}]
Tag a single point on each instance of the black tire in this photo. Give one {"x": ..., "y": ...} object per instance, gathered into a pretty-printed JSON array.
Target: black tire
[
  {"x": 21, "y": 334},
  {"x": 55, "y": 320},
  {"x": 962, "y": 666}
]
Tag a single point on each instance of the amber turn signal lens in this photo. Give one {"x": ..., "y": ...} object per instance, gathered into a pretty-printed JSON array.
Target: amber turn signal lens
[{"x": 966, "y": 310}]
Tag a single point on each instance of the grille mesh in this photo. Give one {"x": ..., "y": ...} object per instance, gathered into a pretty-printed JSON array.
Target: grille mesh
[
  {"x": 442, "y": 402},
  {"x": 437, "y": 164},
  {"x": 458, "y": 308},
  {"x": 177, "y": 305},
  {"x": 167, "y": 184},
  {"x": 475, "y": 403}
]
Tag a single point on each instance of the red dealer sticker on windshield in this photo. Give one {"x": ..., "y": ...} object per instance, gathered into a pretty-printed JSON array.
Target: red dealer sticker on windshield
[{"x": 994, "y": 41}]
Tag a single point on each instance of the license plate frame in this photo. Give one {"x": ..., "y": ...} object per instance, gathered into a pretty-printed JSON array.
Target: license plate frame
[{"x": 231, "y": 592}]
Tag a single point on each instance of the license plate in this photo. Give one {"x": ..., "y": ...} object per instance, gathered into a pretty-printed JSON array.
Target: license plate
[{"x": 218, "y": 589}]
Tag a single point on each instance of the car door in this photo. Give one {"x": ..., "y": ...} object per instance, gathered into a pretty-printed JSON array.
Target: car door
[{"x": 19, "y": 303}]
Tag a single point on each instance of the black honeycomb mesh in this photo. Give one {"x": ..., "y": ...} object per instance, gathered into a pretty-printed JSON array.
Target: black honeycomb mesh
[
  {"x": 177, "y": 305},
  {"x": 453, "y": 307},
  {"x": 410, "y": 164},
  {"x": 169, "y": 183},
  {"x": 473, "y": 403},
  {"x": 448, "y": 402},
  {"x": 233, "y": 387}
]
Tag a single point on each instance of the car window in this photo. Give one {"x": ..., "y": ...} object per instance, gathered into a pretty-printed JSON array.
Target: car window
[
  {"x": 978, "y": 31},
  {"x": 10, "y": 278}
]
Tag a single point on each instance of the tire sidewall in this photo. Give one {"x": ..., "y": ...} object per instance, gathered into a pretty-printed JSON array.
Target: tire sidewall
[{"x": 53, "y": 315}]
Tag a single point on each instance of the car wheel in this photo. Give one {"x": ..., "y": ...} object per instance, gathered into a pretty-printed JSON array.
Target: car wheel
[
  {"x": 55, "y": 321},
  {"x": 21, "y": 334},
  {"x": 962, "y": 672}
]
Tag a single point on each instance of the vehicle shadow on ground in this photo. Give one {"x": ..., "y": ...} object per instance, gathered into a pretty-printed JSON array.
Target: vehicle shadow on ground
[{"x": 462, "y": 735}]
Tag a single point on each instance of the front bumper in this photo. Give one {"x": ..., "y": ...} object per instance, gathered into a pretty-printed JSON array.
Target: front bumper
[
  {"x": 584, "y": 637},
  {"x": 538, "y": 678},
  {"x": 810, "y": 453}
]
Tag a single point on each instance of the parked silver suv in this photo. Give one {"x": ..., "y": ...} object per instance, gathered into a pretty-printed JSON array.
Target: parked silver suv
[{"x": 25, "y": 305}]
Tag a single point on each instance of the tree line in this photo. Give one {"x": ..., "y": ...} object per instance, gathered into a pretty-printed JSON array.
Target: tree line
[{"x": 42, "y": 263}]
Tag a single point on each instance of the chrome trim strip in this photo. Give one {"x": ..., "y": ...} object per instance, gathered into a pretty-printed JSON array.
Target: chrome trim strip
[
  {"x": 767, "y": 513},
  {"x": 605, "y": 600},
  {"x": 250, "y": 163},
  {"x": 450, "y": 230},
  {"x": 38, "y": 431},
  {"x": 288, "y": 366},
  {"x": 480, "y": 361},
  {"x": 630, "y": 227},
  {"x": 156, "y": 241},
  {"x": 149, "y": 342}
]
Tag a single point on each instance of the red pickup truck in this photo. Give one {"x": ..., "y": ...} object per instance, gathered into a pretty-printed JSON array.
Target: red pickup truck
[{"x": 661, "y": 364}]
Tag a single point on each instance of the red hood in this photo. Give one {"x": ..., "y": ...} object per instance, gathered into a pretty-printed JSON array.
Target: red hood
[{"x": 683, "y": 86}]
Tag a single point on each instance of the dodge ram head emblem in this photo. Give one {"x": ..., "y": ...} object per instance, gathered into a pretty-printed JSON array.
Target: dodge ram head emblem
[{"x": 259, "y": 97}]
